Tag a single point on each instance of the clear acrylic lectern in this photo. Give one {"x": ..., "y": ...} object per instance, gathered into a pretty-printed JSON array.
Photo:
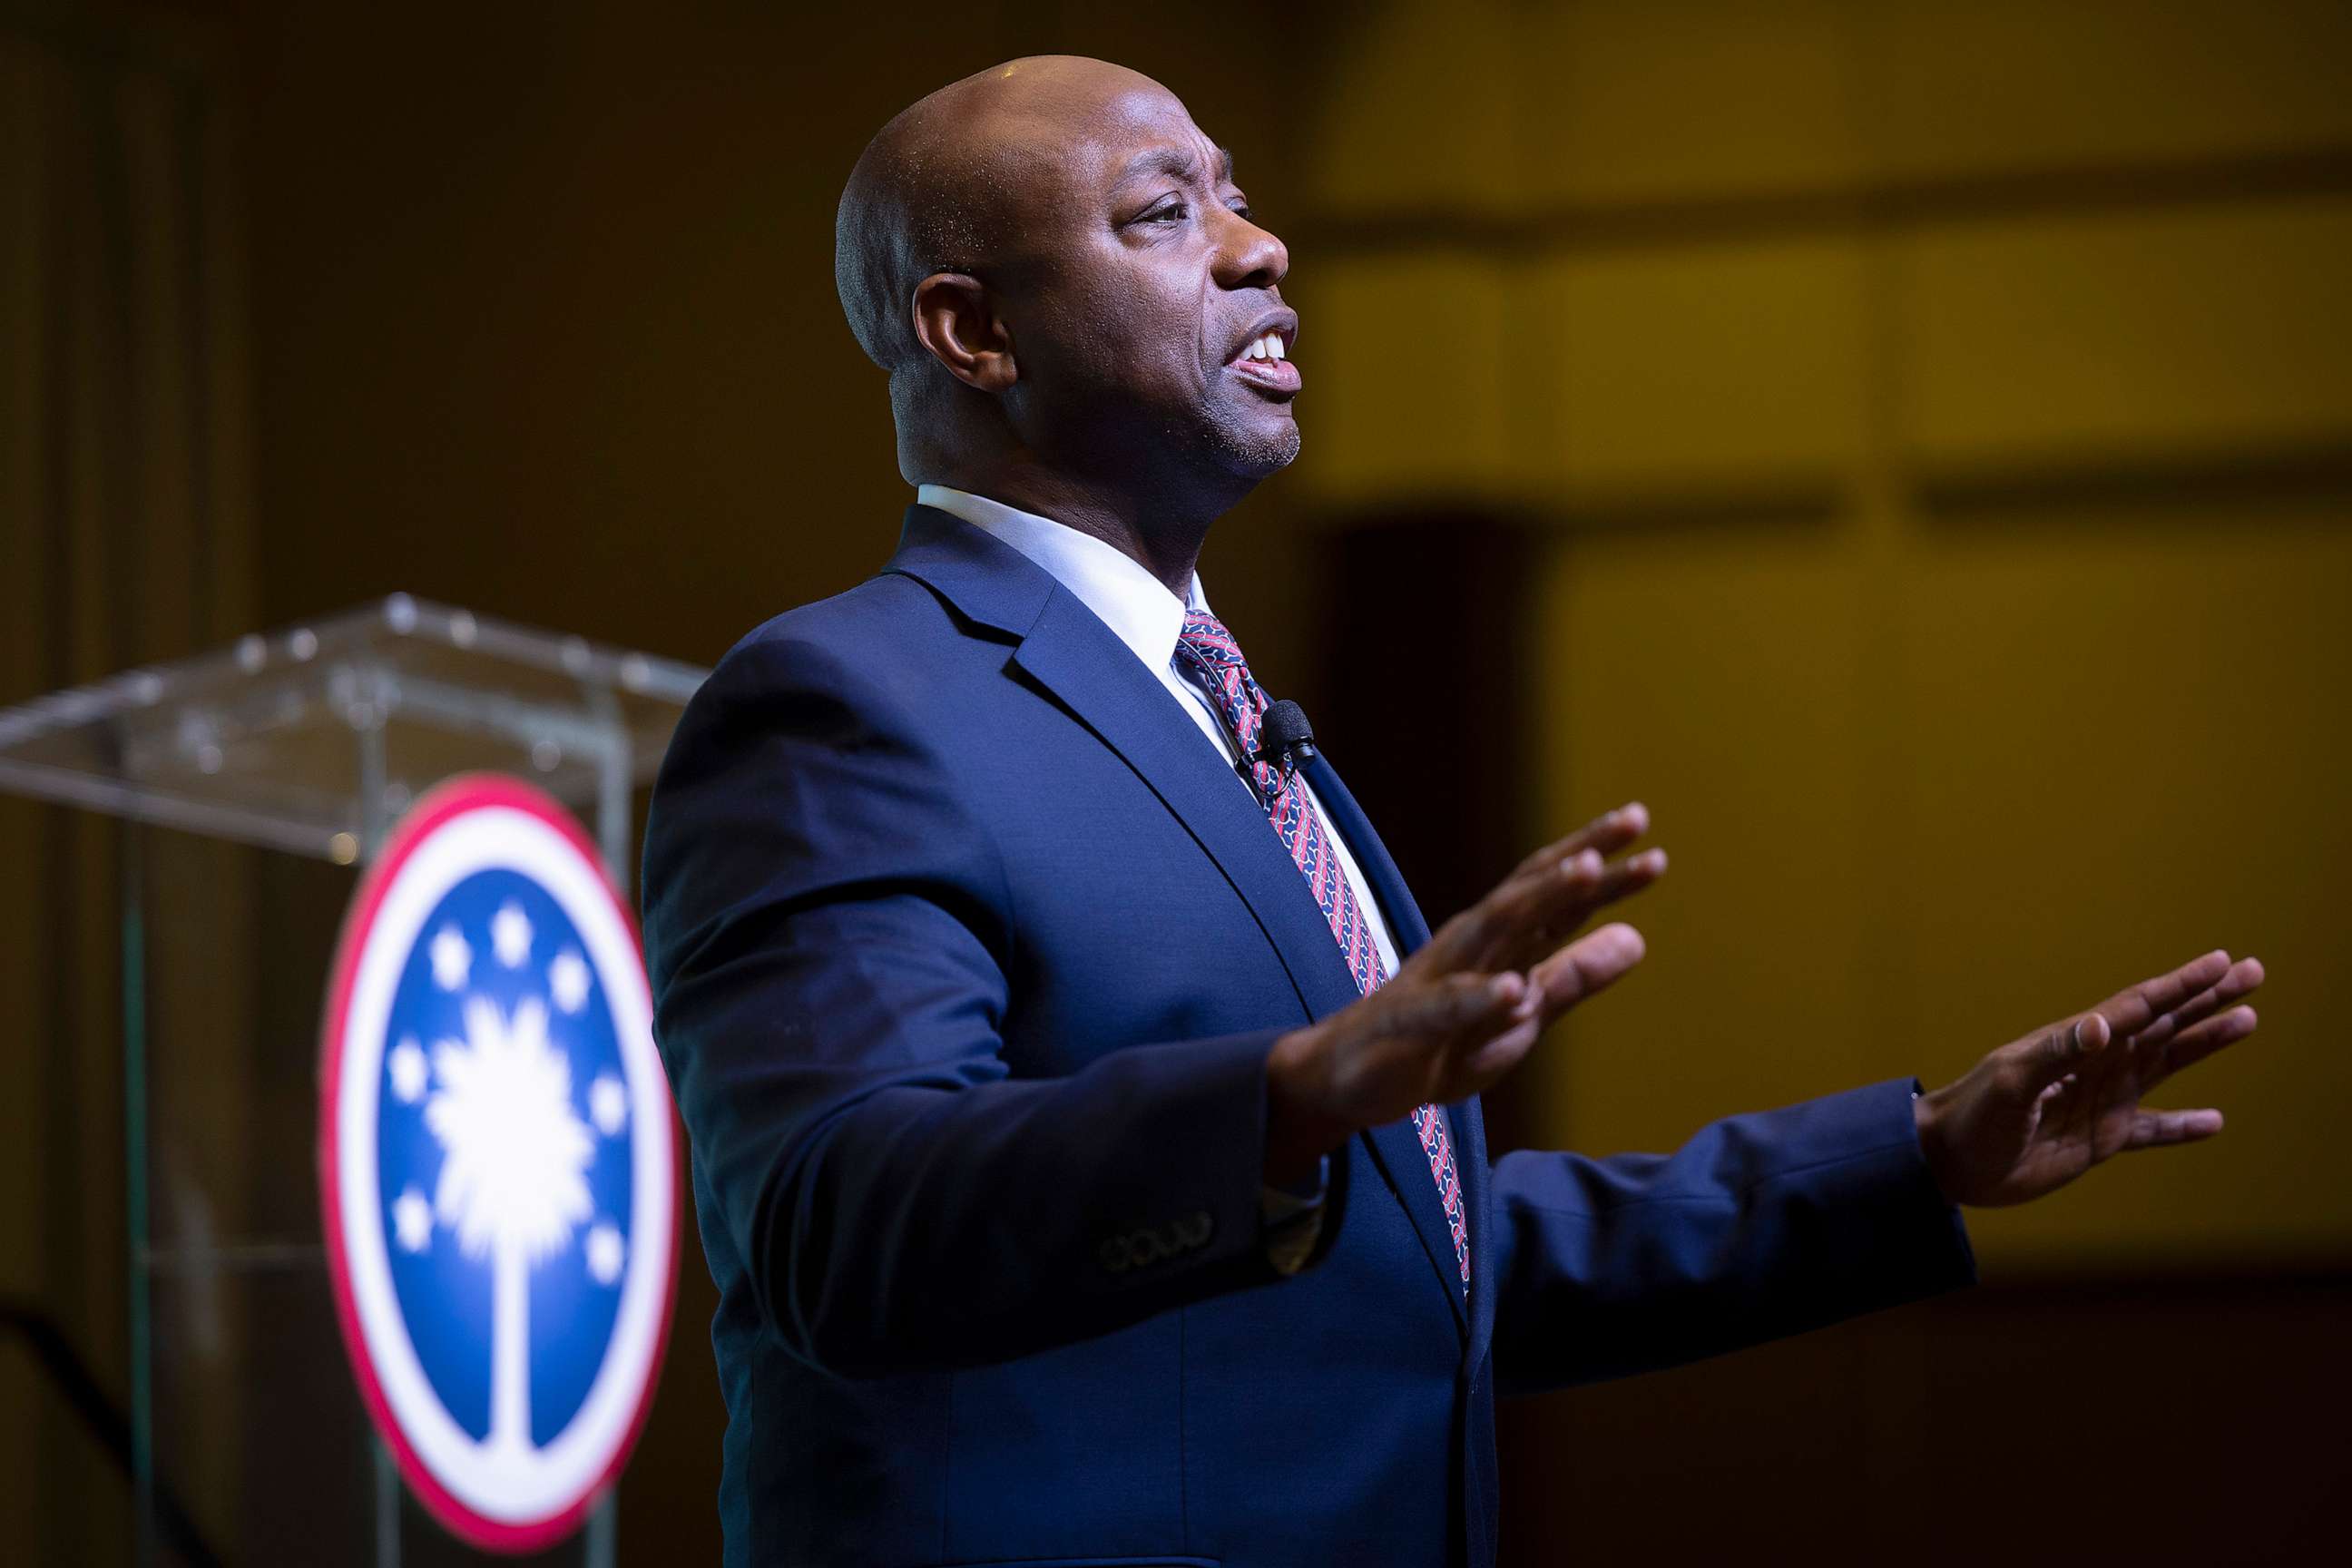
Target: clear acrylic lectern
[{"x": 310, "y": 740}]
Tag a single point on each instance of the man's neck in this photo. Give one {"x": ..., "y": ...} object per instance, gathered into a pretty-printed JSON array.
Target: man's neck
[{"x": 1164, "y": 544}]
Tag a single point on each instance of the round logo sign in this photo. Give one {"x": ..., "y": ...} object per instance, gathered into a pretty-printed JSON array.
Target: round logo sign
[{"x": 496, "y": 1166}]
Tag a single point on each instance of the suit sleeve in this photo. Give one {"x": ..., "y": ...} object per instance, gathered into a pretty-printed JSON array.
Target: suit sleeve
[
  {"x": 1760, "y": 1226},
  {"x": 829, "y": 931}
]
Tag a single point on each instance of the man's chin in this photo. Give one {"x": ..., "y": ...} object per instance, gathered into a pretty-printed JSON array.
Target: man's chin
[{"x": 1260, "y": 450}]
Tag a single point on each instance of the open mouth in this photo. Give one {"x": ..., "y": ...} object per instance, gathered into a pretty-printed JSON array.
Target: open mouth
[{"x": 1265, "y": 360}]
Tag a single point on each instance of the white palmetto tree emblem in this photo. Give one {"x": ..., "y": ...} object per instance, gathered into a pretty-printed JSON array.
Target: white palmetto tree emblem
[{"x": 513, "y": 1176}]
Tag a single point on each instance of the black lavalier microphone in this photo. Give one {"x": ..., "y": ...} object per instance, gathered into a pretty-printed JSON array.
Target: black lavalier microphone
[{"x": 1285, "y": 738}]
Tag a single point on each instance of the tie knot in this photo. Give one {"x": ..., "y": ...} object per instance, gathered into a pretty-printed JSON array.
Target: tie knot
[{"x": 1207, "y": 641}]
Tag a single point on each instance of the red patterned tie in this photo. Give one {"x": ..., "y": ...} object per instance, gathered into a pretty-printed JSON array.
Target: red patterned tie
[{"x": 1211, "y": 653}]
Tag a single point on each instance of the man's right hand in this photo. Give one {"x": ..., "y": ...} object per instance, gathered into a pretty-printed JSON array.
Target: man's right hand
[{"x": 1462, "y": 1011}]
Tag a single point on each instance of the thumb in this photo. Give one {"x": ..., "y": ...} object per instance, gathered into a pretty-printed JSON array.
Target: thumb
[
  {"x": 2065, "y": 1049},
  {"x": 1589, "y": 963}
]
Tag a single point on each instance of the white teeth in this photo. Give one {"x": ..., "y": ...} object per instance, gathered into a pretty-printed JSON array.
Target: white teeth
[{"x": 1269, "y": 347}]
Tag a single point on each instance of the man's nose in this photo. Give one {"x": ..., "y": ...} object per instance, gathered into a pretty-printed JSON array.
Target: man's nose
[{"x": 1251, "y": 256}]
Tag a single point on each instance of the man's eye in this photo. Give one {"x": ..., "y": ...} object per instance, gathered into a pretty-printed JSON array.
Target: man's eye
[
  {"x": 1174, "y": 211},
  {"x": 1245, "y": 212}
]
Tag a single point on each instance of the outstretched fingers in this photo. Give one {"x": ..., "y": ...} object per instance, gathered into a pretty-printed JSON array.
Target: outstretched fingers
[
  {"x": 1530, "y": 913},
  {"x": 1605, "y": 834},
  {"x": 1471, "y": 940},
  {"x": 2162, "y": 1129},
  {"x": 2241, "y": 979},
  {"x": 1557, "y": 918},
  {"x": 2135, "y": 1007},
  {"x": 2162, "y": 1059}
]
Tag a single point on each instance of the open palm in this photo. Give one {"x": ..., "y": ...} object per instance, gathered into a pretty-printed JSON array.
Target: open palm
[{"x": 2041, "y": 1111}]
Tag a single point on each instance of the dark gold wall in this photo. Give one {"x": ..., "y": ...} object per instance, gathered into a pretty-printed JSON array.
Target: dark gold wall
[{"x": 1940, "y": 418}]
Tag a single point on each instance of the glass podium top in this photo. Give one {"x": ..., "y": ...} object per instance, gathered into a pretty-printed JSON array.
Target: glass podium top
[{"x": 312, "y": 739}]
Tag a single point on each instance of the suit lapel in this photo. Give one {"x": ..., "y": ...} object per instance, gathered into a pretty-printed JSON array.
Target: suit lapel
[
  {"x": 1099, "y": 679},
  {"x": 1397, "y": 907},
  {"x": 1082, "y": 663},
  {"x": 1396, "y": 1147},
  {"x": 1061, "y": 646}
]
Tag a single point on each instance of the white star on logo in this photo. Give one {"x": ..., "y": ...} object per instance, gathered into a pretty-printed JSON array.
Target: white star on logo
[
  {"x": 453, "y": 961},
  {"x": 409, "y": 1071},
  {"x": 567, "y": 981},
  {"x": 411, "y": 1220},
  {"x": 510, "y": 935},
  {"x": 605, "y": 1253},
  {"x": 608, "y": 1104}
]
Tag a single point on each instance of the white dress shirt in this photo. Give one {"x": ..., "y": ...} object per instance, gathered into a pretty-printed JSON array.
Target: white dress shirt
[{"x": 1142, "y": 613}]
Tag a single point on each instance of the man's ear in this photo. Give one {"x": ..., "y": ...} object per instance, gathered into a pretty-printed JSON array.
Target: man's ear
[{"x": 956, "y": 324}]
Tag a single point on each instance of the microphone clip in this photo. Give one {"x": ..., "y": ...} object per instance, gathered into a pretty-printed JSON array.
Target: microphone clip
[{"x": 1285, "y": 739}]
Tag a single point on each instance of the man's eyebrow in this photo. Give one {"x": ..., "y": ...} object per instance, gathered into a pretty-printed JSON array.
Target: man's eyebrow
[{"x": 1176, "y": 163}]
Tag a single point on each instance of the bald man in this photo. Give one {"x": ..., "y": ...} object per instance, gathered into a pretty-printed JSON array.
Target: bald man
[{"x": 1084, "y": 1123}]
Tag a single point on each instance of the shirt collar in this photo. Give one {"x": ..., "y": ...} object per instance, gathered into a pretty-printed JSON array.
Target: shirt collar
[{"x": 1136, "y": 605}]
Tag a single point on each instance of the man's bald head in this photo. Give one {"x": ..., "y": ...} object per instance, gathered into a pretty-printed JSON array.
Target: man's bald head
[
  {"x": 940, "y": 188},
  {"x": 1076, "y": 308}
]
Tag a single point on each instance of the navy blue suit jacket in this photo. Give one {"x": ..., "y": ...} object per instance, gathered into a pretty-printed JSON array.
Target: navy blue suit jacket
[{"x": 968, "y": 951}]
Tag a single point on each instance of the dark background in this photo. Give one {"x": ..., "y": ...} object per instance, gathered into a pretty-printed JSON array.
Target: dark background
[{"x": 1909, "y": 445}]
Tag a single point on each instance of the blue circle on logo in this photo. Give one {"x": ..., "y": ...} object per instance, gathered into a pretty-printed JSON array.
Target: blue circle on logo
[{"x": 507, "y": 994}]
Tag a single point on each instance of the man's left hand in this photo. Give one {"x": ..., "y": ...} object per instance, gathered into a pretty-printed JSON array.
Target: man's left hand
[{"x": 2041, "y": 1111}]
